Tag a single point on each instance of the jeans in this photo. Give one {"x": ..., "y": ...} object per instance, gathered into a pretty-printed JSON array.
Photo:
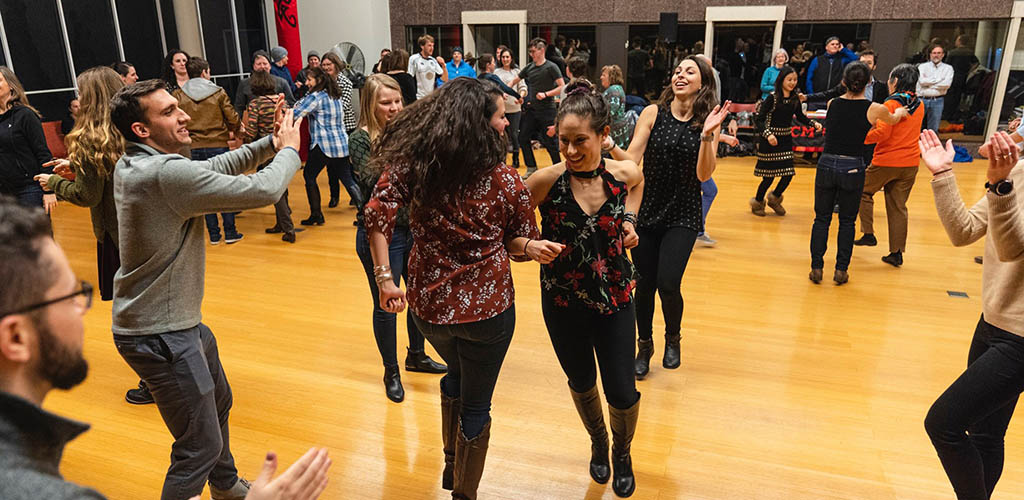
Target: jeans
[
  {"x": 212, "y": 225},
  {"x": 840, "y": 180},
  {"x": 579, "y": 334},
  {"x": 339, "y": 167},
  {"x": 660, "y": 261},
  {"x": 535, "y": 122},
  {"x": 512, "y": 131},
  {"x": 183, "y": 372},
  {"x": 969, "y": 420},
  {"x": 708, "y": 192},
  {"x": 384, "y": 323},
  {"x": 30, "y": 195},
  {"x": 474, "y": 353},
  {"x": 933, "y": 112}
]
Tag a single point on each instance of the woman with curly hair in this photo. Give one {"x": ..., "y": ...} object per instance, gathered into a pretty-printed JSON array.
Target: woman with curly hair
[
  {"x": 468, "y": 214},
  {"x": 85, "y": 178},
  {"x": 380, "y": 101},
  {"x": 589, "y": 204},
  {"x": 677, "y": 139},
  {"x": 174, "y": 73}
]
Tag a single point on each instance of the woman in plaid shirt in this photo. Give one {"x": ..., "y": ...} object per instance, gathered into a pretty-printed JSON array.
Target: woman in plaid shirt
[
  {"x": 333, "y": 66},
  {"x": 328, "y": 140}
]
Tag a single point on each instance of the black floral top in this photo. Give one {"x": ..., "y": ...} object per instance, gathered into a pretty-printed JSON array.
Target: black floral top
[{"x": 593, "y": 271}]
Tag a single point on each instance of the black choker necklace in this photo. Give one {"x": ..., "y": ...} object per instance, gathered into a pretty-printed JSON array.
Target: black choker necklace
[{"x": 588, "y": 174}]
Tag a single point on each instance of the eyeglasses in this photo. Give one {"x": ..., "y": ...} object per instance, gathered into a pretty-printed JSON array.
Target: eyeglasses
[{"x": 85, "y": 302}]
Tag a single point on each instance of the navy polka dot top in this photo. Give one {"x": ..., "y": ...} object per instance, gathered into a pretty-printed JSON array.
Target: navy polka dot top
[{"x": 671, "y": 188}]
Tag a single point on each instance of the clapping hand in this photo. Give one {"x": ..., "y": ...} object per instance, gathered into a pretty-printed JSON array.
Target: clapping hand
[
  {"x": 936, "y": 157},
  {"x": 286, "y": 130},
  {"x": 61, "y": 167},
  {"x": 716, "y": 117},
  {"x": 1004, "y": 156}
]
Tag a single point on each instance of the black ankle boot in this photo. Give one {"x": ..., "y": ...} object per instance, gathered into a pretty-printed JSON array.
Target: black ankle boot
[
  {"x": 314, "y": 219},
  {"x": 333, "y": 203},
  {"x": 670, "y": 359},
  {"x": 644, "y": 352},
  {"x": 393, "y": 384},
  {"x": 418, "y": 361}
]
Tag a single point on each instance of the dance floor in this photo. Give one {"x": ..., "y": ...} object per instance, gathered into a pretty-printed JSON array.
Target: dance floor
[{"x": 787, "y": 390}]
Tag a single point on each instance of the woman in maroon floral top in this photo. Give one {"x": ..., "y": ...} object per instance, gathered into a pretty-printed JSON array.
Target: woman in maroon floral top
[
  {"x": 469, "y": 212},
  {"x": 589, "y": 205}
]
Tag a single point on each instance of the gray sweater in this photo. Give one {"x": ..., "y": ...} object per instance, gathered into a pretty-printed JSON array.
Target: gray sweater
[{"x": 160, "y": 201}]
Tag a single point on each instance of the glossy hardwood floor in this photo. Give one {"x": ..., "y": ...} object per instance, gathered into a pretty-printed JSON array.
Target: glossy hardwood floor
[{"x": 788, "y": 390}]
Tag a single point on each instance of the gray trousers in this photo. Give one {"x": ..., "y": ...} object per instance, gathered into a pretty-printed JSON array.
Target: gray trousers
[
  {"x": 283, "y": 214},
  {"x": 182, "y": 369}
]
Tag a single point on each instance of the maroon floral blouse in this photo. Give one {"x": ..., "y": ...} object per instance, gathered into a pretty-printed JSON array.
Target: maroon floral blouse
[
  {"x": 593, "y": 271},
  {"x": 458, "y": 268}
]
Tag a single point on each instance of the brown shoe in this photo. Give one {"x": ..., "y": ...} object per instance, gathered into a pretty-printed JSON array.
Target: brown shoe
[
  {"x": 588, "y": 405},
  {"x": 816, "y": 276},
  {"x": 470, "y": 455},
  {"x": 775, "y": 202},
  {"x": 450, "y": 409},
  {"x": 757, "y": 207},
  {"x": 623, "y": 424},
  {"x": 841, "y": 277}
]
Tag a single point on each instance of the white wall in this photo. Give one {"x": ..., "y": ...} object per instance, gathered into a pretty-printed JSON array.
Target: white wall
[{"x": 324, "y": 23}]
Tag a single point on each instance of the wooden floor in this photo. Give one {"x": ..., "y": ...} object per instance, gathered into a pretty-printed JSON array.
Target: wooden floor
[{"x": 788, "y": 390}]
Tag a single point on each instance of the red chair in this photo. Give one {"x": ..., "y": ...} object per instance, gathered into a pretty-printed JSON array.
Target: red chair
[{"x": 54, "y": 139}]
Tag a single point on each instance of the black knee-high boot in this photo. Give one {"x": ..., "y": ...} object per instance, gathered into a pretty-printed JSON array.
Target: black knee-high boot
[
  {"x": 588, "y": 404},
  {"x": 623, "y": 424}
]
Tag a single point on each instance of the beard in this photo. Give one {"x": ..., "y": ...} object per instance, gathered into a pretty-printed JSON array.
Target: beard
[{"x": 59, "y": 365}]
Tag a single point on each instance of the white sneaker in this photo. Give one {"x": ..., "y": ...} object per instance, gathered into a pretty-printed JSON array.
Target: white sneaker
[{"x": 706, "y": 240}]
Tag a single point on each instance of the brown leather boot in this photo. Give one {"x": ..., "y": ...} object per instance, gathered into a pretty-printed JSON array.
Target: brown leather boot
[
  {"x": 775, "y": 202},
  {"x": 469, "y": 463},
  {"x": 588, "y": 404},
  {"x": 450, "y": 409},
  {"x": 623, "y": 424}
]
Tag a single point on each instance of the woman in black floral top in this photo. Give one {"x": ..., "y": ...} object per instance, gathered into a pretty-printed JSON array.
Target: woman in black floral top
[{"x": 589, "y": 205}]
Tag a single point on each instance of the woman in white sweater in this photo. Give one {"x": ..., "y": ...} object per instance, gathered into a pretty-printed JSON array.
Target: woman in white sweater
[
  {"x": 508, "y": 70},
  {"x": 968, "y": 421}
]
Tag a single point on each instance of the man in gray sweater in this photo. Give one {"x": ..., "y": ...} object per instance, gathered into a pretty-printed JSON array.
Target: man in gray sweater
[
  {"x": 161, "y": 197},
  {"x": 41, "y": 337}
]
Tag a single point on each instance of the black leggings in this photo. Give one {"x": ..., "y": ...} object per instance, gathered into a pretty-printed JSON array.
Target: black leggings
[
  {"x": 337, "y": 168},
  {"x": 660, "y": 260},
  {"x": 968, "y": 421},
  {"x": 766, "y": 182},
  {"x": 474, "y": 353},
  {"x": 578, "y": 334}
]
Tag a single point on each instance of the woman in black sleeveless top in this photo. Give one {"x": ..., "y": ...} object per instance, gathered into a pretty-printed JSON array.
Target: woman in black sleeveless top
[
  {"x": 588, "y": 204},
  {"x": 840, "y": 177},
  {"x": 676, "y": 139}
]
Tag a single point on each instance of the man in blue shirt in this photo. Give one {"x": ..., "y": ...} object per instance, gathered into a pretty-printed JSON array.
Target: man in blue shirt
[
  {"x": 826, "y": 70},
  {"x": 458, "y": 67}
]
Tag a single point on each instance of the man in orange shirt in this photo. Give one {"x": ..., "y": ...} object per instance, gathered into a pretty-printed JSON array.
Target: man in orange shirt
[{"x": 894, "y": 166}]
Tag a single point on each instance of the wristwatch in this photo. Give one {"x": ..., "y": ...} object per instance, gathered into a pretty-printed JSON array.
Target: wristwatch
[{"x": 1001, "y": 188}]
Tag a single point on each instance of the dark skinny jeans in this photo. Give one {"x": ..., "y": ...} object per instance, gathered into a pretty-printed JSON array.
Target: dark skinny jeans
[
  {"x": 385, "y": 327},
  {"x": 839, "y": 180},
  {"x": 968, "y": 421},
  {"x": 535, "y": 123},
  {"x": 660, "y": 260},
  {"x": 474, "y": 353},
  {"x": 579, "y": 334},
  {"x": 212, "y": 224},
  {"x": 340, "y": 168}
]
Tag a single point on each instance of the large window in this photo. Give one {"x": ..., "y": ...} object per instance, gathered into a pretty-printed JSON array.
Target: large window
[
  {"x": 662, "y": 55},
  {"x": 232, "y": 30},
  {"x": 446, "y": 37},
  {"x": 49, "y": 41}
]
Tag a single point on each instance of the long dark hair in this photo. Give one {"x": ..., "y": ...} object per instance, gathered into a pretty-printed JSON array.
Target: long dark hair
[
  {"x": 783, "y": 71},
  {"x": 443, "y": 159},
  {"x": 705, "y": 100},
  {"x": 513, "y": 57},
  {"x": 324, "y": 82},
  {"x": 167, "y": 74}
]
